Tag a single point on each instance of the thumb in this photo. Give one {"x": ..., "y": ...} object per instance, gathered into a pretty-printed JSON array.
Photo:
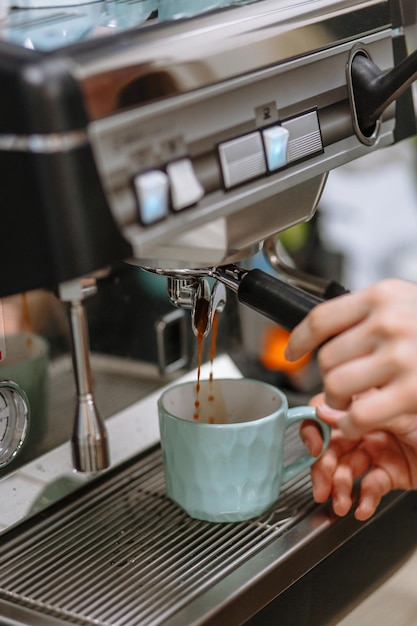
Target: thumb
[{"x": 338, "y": 419}]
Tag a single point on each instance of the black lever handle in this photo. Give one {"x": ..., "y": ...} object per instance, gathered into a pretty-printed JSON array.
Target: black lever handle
[{"x": 375, "y": 90}]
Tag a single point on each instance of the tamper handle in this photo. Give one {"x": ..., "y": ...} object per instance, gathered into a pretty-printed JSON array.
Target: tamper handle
[{"x": 281, "y": 302}]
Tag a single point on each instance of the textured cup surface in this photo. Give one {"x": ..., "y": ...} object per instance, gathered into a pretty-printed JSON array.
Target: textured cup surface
[{"x": 227, "y": 465}]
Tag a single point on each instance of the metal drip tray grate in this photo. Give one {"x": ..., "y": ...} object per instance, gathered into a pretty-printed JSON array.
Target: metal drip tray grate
[{"x": 122, "y": 553}]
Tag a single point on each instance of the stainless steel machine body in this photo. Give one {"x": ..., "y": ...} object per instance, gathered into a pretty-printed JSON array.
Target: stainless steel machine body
[
  {"x": 276, "y": 67},
  {"x": 173, "y": 142},
  {"x": 199, "y": 138}
]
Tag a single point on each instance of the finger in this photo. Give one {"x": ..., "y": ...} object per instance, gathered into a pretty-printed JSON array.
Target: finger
[
  {"x": 358, "y": 460},
  {"x": 322, "y": 485},
  {"x": 342, "y": 489},
  {"x": 329, "y": 415},
  {"x": 398, "y": 397},
  {"x": 376, "y": 410},
  {"x": 387, "y": 453},
  {"x": 352, "y": 464},
  {"x": 390, "y": 330},
  {"x": 341, "y": 420},
  {"x": 356, "y": 377},
  {"x": 317, "y": 399},
  {"x": 323, "y": 322},
  {"x": 323, "y": 470},
  {"x": 374, "y": 486},
  {"x": 311, "y": 436},
  {"x": 351, "y": 344},
  {"x": 322, "y": 475}
]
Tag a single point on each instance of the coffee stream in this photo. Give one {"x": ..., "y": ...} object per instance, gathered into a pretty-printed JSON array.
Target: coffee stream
[{"x": 201, "y": 320}]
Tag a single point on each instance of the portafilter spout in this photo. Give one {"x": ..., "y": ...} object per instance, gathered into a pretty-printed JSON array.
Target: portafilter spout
[
  {"x": 189, "y": 289},
  {"x": 89, "y": 440}
]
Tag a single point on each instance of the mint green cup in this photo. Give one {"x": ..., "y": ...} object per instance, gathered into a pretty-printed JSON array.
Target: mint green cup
[{"x": 228, "y": 465}]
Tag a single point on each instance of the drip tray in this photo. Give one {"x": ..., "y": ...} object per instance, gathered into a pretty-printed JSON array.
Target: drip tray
[
  {"x": 118, "y": 552},
  {"x": 121, "y": 553}
]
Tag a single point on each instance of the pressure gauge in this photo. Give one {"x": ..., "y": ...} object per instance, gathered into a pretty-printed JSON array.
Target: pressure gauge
[{"x": 14, "y": 420}]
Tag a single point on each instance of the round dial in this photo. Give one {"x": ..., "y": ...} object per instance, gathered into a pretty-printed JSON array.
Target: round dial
[{"x": 14, "y": 420}]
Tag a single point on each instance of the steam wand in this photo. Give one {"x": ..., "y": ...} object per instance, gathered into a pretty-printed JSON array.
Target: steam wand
[
  {"x": 283, "y": 264},
  {"x": 89, "y": 440}
]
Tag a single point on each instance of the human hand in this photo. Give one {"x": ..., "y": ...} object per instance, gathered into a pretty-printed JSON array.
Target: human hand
[
  {"x": 370, "y": 342},
  {"x": 381, "y": 460}
]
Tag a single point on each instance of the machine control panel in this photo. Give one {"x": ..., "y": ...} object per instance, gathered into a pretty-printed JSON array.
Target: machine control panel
[
  {"x": 186, "y": 189},
  {"x": 269, "y": 150},
  {"x": 202, "y": 176},
  {"x": 241, "y": 159},
  {"x": 198, "y": 139},
  {"x": 159, "y": 191},
  {"x": 152, "y": 192},
  {"x": 276, "y": 147}
]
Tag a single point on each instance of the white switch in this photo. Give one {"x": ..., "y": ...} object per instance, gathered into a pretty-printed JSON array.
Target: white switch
[
  {"x": 276, "y": 147},
  {"x": 152, "y": 193},
  {"x": 305, "y": 136},
  {"x": 186, "y": 189},
  {"x": 242, "y": 159}
]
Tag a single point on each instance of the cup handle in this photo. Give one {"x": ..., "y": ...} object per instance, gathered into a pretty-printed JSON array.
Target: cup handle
[{"x": 299, "y": 414}]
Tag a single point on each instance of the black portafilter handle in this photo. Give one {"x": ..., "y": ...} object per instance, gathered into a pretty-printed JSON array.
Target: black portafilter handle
[
  {"x": 279, "y": 301},
  {"x": 283, "y": 303}
]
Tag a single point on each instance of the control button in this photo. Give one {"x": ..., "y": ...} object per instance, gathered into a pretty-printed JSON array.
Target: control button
[
  {"x": 276, "y": 144},
  {"x": 242, "y": 159},
  {"x": 152, "y": 193},
  {"x": 305, "y": 137},
  {"x": 186, "y": 189}
]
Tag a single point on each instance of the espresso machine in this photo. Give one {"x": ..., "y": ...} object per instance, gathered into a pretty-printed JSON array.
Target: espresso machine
[{"x": 181, "y": 140}]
